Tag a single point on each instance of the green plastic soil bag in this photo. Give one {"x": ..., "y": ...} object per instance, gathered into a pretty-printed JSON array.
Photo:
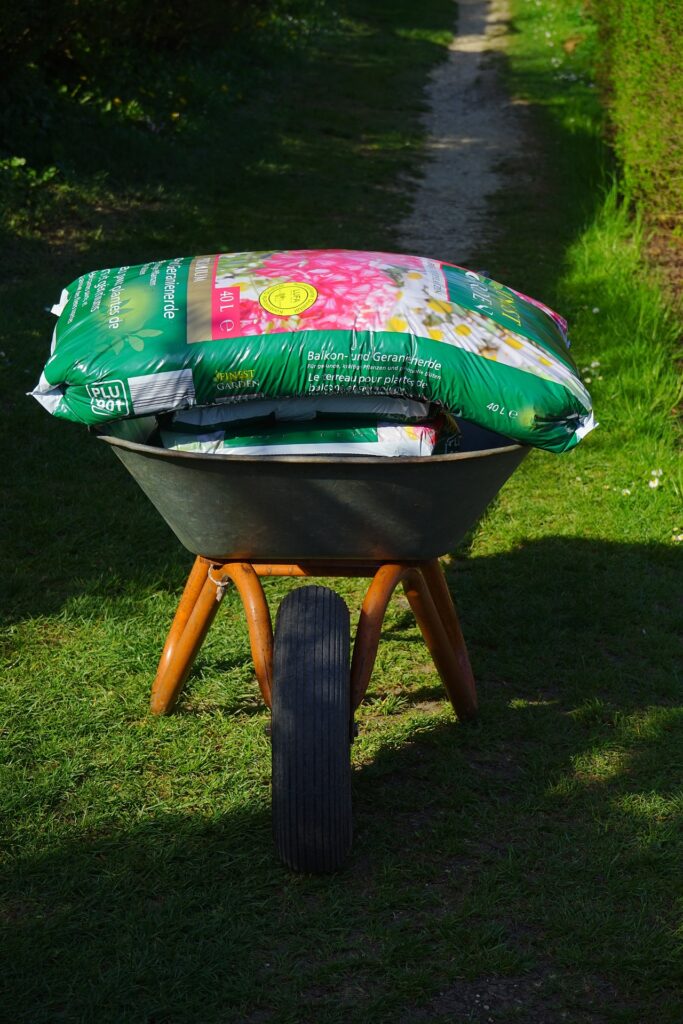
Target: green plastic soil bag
[
  {"x": 322, "y": 436},
  {"x": 148, "y": 339}
]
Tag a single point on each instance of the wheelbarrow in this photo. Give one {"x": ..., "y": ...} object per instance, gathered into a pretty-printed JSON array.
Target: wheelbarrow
[{"x": 250, "y": 518}]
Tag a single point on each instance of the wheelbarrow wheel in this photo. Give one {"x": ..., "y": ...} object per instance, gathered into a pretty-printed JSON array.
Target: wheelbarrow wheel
[{"x": 312, "y": 817}]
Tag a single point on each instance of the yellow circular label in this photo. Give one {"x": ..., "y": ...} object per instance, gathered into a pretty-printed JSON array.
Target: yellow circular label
[{"x": 288, "y": 299}]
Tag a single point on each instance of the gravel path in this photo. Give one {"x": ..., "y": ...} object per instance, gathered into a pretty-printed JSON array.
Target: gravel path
[{"x": 471, "y": 126}]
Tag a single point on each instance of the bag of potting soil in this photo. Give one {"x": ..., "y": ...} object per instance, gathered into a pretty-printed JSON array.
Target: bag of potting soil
[
  {"x": 323, "y": 436},
  {"x": 401, "y": 410},
  {"x": 189, "y": 332}
]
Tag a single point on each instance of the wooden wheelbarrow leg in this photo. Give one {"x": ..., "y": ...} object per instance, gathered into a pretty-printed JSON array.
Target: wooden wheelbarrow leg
[
  {"x": 432, "y": 605},
  {"x": 196, "y": 612},
  {"x": 369, "y": 628},
  {"x": 259, "y": 622},
  {"x": 433, "y": 608},
  {"x": 193, "y": 588}
]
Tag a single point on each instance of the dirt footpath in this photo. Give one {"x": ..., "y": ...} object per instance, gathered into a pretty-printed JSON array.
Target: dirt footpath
[{"x": 472, "y": 126}]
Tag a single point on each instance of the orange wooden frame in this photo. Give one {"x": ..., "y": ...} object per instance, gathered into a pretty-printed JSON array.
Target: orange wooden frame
[{"x": 424, "y": 585}]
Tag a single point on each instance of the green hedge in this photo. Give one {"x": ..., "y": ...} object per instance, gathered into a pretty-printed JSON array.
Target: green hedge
[{"x": 642, "y": 46}]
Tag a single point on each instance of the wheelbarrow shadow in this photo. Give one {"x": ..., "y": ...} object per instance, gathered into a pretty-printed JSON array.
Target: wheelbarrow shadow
[
  {"x": 560, "y": 631},
  {"x": 461, "y": 832}
]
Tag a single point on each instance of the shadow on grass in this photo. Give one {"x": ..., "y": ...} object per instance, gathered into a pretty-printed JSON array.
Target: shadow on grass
[{"x": 484, "y": 850}]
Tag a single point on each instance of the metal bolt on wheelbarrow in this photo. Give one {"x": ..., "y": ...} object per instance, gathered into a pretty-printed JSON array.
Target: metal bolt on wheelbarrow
[{"x": 250, "y": 518}]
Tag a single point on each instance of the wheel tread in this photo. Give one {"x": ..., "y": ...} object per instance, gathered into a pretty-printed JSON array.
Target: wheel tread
[{"x": 311, "y": 770}]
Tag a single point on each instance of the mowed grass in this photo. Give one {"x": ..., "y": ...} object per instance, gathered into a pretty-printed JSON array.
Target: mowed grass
[{"x": 525, "y": 868}]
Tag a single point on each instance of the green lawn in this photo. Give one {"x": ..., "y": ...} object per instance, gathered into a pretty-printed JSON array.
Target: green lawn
[{"x": 525, "y": 868}]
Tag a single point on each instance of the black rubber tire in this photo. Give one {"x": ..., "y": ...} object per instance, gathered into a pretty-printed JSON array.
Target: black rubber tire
[{"x": 312, "y": 815}]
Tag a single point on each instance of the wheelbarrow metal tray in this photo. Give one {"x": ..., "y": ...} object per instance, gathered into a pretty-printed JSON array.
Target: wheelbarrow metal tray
[{"x": 320, "y": 507}]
